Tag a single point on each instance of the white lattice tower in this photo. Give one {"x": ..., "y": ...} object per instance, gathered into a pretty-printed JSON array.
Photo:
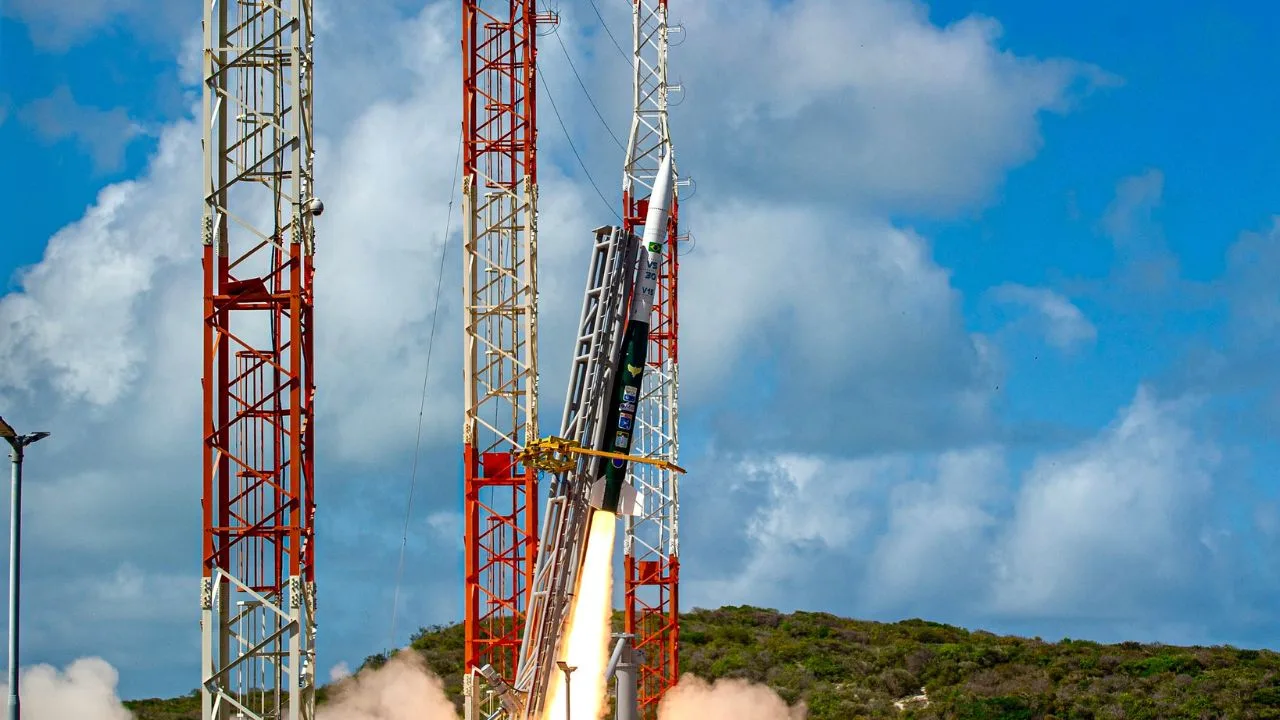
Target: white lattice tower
[
  {"x": 651, "y": 542},
  {"x": 258, "y": 587}
]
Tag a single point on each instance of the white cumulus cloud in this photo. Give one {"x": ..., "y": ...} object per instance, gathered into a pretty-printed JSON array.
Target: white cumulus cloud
[
  {"x": 1115, "y": 534},
  {"x": 1098, "y": 529},
  {"x": 1060, "y": 321}
]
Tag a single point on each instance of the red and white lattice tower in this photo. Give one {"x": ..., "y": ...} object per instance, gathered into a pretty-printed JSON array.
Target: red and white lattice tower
[
  {"x": 500, "y": 326},
  {"x": 258, "y": 590},
  {"x": 651, "y": 544}
]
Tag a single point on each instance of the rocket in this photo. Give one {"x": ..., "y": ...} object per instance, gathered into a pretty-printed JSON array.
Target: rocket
[{"x": 611, "y": 491}]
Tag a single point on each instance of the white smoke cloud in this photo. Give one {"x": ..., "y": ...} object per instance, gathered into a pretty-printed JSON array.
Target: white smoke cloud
[
  {"x": 727, "y": 699},
  {"x": 406, "y": 689},
  {"x": 403, "y": 689},
  {"x": 85, "y": 690}
]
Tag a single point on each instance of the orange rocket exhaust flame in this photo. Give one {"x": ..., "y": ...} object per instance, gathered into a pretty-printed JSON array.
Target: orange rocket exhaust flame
[{"x": 586, "y": 639}]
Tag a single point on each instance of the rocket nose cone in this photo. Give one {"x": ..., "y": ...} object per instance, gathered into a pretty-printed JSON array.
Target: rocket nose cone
[{"x": 662, "y": 183}]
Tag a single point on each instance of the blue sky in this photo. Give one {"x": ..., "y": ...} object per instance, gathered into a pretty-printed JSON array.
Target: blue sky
[
  {"x": 943, "y": 263},
  {"x": 134, "y": 76}
]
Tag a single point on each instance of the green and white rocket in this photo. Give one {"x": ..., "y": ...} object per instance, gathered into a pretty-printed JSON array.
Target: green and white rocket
[{"x": 611, "y": 492}]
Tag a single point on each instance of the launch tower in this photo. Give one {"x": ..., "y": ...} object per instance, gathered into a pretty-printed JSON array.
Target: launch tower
[
  {"x": 651, "y": 545},
  {"x": 500, "y": 327},
  {"x": 257, "y": 594}
]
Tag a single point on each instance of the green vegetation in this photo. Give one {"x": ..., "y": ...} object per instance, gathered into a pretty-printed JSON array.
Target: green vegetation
[
  {"x": 186, "y": 707},
  {"x": 846, "y": 669}
]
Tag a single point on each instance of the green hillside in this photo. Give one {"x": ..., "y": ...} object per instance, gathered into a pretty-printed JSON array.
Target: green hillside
[{"x": 845, "y": 669}]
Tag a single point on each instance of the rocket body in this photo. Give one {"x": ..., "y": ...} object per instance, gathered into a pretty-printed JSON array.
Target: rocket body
[{"x": 611, "y": 491}]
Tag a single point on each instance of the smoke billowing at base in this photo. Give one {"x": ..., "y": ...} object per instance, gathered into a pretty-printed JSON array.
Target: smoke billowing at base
[
  {"x": 728, "y": 699},
  {"x": 85, "y": 690},
  {"x": 403, "y": 689}
]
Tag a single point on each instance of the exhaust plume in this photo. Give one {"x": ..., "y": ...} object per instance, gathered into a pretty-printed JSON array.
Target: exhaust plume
[
  {"x": 403, "y": 689},
  {"x": 728, "y": 699},
  {"x": 586, "y": 637},
  {"x": 86, "y": 690}
]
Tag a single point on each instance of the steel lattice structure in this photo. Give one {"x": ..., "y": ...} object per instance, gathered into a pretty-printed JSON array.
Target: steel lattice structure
[
  {"x": 651, "y": 543},
  {"x": 258, "y": 589},
  {"x": 500, "y": 326}
]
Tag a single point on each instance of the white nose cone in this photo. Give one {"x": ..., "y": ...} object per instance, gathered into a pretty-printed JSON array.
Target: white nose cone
[
  {"x": 655, "y": 221},
  {"x": 655, "y": 235}
]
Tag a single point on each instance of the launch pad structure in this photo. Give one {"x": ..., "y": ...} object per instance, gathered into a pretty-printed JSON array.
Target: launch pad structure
[
  {"x": 257, "y": 595},
  {"x": 517, "y": 587},
  {"x": 500, "y": 326},
  {"x": 651, "y": 544},
  {"x": 258, "y": 589}
]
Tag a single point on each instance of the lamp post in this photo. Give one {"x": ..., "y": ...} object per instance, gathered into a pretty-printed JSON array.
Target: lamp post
[
  {"x": 567, "y": 670},
  {"x": 17, "y": 444}
]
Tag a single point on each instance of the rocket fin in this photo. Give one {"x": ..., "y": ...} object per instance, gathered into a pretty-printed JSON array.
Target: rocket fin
[
  {"x": 629, "y": 500},
  {"x": 596, "y": 497}
]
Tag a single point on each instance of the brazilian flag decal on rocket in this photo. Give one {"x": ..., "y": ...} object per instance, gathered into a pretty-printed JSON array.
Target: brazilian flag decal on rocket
[{"x": 611, "y": 492}]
